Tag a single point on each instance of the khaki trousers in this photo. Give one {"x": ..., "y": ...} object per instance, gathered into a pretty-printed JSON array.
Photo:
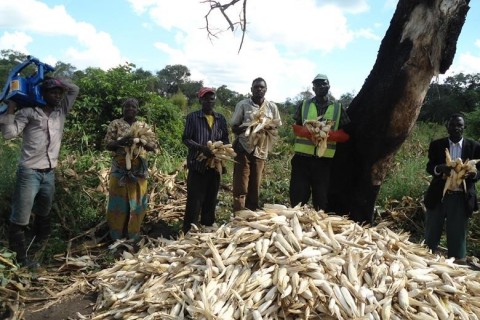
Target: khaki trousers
[{"x": 247, "y": 177}]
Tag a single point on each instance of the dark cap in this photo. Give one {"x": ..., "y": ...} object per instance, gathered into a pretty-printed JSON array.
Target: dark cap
[
  {"x": 52, "y": 83},
  {"x": 204, "y": 91},
  {"x": 130, "y": 101}
]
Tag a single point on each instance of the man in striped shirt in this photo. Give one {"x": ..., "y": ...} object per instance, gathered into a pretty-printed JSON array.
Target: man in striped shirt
[{"x": 202, "y": 182}]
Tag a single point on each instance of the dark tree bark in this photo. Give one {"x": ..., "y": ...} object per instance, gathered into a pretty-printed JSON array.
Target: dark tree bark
[{"x": 419, "y": 44}]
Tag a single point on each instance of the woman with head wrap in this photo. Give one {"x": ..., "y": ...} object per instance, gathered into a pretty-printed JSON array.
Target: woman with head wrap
[{"x": 127, "y": 201}]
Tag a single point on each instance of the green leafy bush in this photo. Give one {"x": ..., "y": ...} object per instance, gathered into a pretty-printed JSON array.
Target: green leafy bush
[
  {"x": 180, "y": 101},
  {"x": 100, "y": 102},
  {"x": 9, "y": 154},
  {"x": 168, "y": 122}
]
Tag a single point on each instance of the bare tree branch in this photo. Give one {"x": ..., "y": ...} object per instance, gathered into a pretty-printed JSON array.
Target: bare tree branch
[
  {"x": 244, "y": 24},
  {"x": 242, "y": 20}
]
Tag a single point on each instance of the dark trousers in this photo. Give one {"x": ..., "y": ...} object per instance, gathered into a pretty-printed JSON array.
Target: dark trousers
[
  {"x": 247, "y": 177},
  {"x": 202, "y": 191},
  {"x": 309, "y": 176},
  {"x": 451, "y": 209}
]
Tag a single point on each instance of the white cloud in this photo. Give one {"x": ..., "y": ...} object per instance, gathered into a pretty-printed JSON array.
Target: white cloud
[
  {"x": 287, "y": 42},
  {"x": 466, "y": 62},
  {"x": 164, "y": 47},
  {"x": 469, "y": 63},
  {"x": 350, "y": 6},
  {"x": 140, "y": 6},
  {"x": 280, "y": 34},
  {"x": 367, "y": 34},
  {"x": 17, "y": 41},
  {"x": 390, "y": 4},
  {"x": 95, "y": 49}
]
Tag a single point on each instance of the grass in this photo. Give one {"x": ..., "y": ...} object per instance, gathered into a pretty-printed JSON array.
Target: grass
[{"x": 408, "y": 176}]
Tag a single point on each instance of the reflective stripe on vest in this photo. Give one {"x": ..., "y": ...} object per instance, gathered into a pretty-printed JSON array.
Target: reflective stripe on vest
[{"x": 309, "y": 112}]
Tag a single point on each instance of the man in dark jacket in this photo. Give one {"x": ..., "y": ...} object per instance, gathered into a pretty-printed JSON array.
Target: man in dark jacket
[{"x": 457, "y": 205}]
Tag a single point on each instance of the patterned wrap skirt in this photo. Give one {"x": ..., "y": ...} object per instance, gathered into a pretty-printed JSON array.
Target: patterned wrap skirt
[{"x": 127, "y": 200}]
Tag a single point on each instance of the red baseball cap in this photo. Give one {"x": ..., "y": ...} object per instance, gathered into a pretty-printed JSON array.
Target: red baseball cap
[{"x": 204, "y": 91}]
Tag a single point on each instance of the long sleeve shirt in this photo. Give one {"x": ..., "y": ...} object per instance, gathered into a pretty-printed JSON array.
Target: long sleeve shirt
[
  {"x": 42, "y": 133},
  {"x": 198, "y": 132}
]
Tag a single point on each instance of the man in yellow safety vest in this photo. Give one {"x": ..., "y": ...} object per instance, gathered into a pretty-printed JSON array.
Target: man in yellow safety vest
[{"x": 310, "y": 173}]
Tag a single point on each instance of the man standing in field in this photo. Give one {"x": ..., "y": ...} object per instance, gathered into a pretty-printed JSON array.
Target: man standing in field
[
  {"x": 42, "y": 130},
  {"x": 310, "y": 172},
  {"x": 451, "y": 206},
  {"x": 251, "y": 156},
  {"x": 203, "y": 182}
]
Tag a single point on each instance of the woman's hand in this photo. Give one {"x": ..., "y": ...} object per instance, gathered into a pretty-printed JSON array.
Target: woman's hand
[{"x": 125, "y": 142}]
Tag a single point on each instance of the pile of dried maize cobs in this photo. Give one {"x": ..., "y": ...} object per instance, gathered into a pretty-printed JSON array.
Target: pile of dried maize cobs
[
  {"x": 262, "y": 130},
  {"x": 221, "y": 154},
  {"x": 319, "y": 130},
  {"x": 458, "y": 172},
  {"x": 141, "y": 135},
  {"x": 287, "y": 263}
]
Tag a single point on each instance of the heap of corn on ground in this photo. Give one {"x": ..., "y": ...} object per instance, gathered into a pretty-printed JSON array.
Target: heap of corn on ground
[{"x": 288, "y": 263}]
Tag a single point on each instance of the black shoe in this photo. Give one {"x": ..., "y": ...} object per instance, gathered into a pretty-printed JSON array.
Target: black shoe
[
  {"x": 29, "y": 264},
  {"x": 39, "y": 244}
]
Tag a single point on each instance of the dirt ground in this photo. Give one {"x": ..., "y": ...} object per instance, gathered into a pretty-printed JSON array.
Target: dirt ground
[
  {"x": 49, "y": 280},
  {"x": 69, "y": 308}
]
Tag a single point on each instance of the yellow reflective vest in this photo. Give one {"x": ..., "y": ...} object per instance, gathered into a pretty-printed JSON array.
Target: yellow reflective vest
[{"x": 309, "y": 112}]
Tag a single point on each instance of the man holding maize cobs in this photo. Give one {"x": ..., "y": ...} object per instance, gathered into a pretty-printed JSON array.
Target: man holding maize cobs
[
  {"x": 202, "y": 127},
  {"x": 453, "y": 201},
  {"x": 254, "y": 123},
  {"x": 319, "y": 124}
]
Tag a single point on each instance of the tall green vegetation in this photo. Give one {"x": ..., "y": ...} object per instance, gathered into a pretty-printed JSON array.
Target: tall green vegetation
[
  {"x": 408, "y": 176},
  {"x": 100, "y": 101},
  {"x": 458, "y": 93},
  {"x": 8, "y": 60},
  {"x": 9, "y": 152}
]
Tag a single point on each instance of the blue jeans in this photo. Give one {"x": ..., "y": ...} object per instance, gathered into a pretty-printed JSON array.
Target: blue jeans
[{"x": 34, "y": 192}]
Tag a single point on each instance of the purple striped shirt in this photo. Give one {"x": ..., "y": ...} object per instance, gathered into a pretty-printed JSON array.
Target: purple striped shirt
[{"x": 197, "y": 133}]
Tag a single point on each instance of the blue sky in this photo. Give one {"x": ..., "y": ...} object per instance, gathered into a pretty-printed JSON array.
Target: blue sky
[{"x": 287, "y": 42}]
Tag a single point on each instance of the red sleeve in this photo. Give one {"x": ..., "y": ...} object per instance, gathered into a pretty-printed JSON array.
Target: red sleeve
[
  {"x": 301, "y": 131},
  {"x": 333, "y": 135},
  {"x": 338, "y": 136}
]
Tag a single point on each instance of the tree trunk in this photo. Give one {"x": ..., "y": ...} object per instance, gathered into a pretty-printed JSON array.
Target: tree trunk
[{"x": 419, "y": 44}]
